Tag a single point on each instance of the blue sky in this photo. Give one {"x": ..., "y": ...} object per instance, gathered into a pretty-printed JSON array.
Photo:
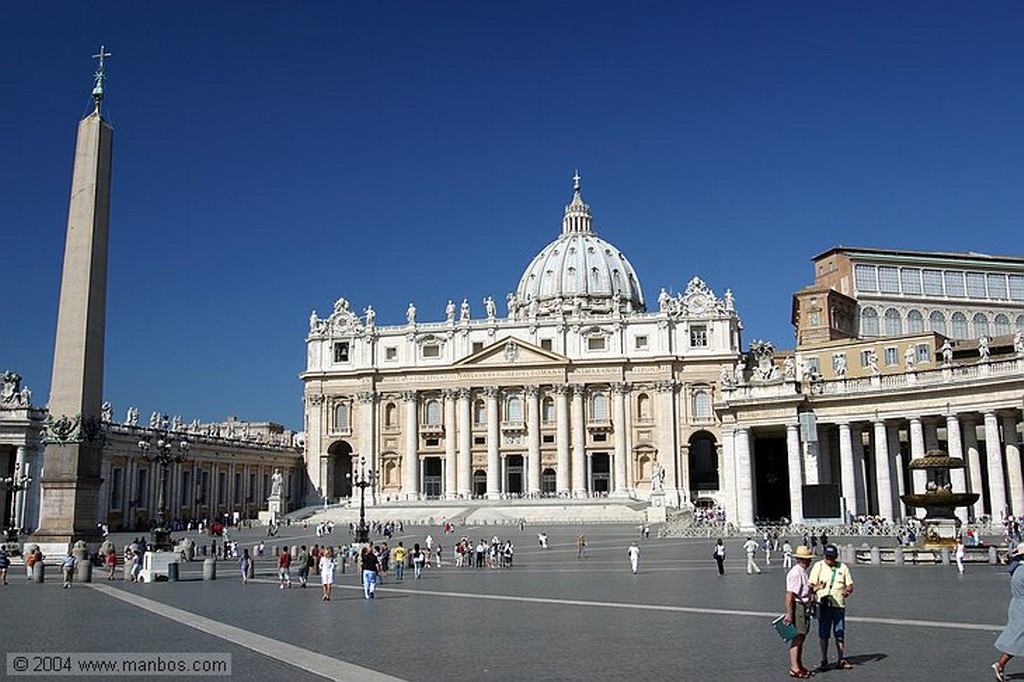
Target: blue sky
[{"x": 271, "y": 157}]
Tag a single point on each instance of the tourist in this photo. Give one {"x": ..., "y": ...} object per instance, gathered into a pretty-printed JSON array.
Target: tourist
[
  {"x": 67, "y": 567},
  {"x": 111, "y": 563},
  {"x": 542, "y": 540},
  {"x": 750, "y": 547},
  {"x": 245, "y": 565},
  {"x": 718, "y": 554},
  {"x": 787, "y": 554},
  {"x": 371, "y": 572},
  {"x": 327, "y": 565},
  {"x": 30, "y": 562},
  {"x": 581, "y": 546},
  {"x": 798, "y": 599},
  {"x": 634, "y": 556},
  {"x": 959, "y": 553},
  {"x": 5, "y": 563},
  {"x": 417, "y": 561},
  {"x": 398, "y": 558},
  {"x": 832, "y": 584},
  {"x": 284, "y": 571},
  {"x": 1011, "y": 642},
  {"x": 305, "y": 562}
]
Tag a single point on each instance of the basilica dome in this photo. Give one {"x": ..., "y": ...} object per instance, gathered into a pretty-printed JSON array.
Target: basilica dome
[{"x": 579, "y": 272}]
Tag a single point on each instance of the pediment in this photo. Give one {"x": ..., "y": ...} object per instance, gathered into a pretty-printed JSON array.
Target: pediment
[{"x": 511, "y": 351}]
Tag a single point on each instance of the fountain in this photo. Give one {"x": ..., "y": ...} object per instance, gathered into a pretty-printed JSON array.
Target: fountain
[{"x": 941, "y": 525}]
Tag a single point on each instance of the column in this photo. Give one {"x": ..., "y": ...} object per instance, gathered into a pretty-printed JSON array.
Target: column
[
  {"x": 532, "y": 440},
  {"x": 562, "y": 438},
  {"x": 619, "y": 426},
  {"x": 811, "y": 456},
  {"x": 847, "y": 471},
  {"x": 1013, "y": 470},
  {"x": 450, "y": 450},
  {"x": 883, "y": 481},
  {"x": 367, "y": 401},
  {"x": 996, "y": 481},
  {"x": 957, "y": 477},
  {"x": 20, "y": 471},
  {"x": 666, "y": 391},
  {"x": 917, "y": 450},
  {"x": 579, "y": 463},
  {"x": 728, "y": 468},
  {"x": 892, "y": 434},
  {"x": 411, "y": 461},
  {"x": 465, "y": 465},
  {"x": 493, "y": 440},
  {"x": 796, "y": 499},
  {"x": 970, "y": 432},
  {"x": 931, "y": 436},
  {"x": 744, "y": 480},
  {"x": 859, "y": 470}
]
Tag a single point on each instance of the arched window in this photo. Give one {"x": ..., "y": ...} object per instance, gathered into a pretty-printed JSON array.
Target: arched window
[
  {"x": 915, "y": 322},
  {"x": 701, "y": 404},
  {"x": 980, "y": 325},
  {"x": 390, "y": 413},
  {"x": 959, "y": 321},
  {"x": 869, "y": 322},
  {"x": 514, "y": 409},
  {"x": 479, "y": 412},
  {"x": 547, "y": 410},
  {"x": 937, "y": 322},
  {"x": 643, "y": 407},
  {"x": 600, "y": 407},
  {"x": 893, "y": 322},
  {"x": 433, "y": 413},
  {"x": 1001, "y": 325},
  {"x": 341, "y": 416}
]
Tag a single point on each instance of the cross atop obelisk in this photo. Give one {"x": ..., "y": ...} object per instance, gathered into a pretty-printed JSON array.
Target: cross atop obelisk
[{"x": 74, "y": 436}]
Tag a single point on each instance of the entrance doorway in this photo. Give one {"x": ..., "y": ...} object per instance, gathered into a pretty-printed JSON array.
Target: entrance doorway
[
  {"x": 433, "y": 487},
  {"x": 771, "y": 479},
  {"x": 479, "y": 483},
  {"x": 514, "y": 474},
  {"x": 548, "y": 482},
  {"x": 600, "y": 473},
  {"x": 337, "y": 478}
]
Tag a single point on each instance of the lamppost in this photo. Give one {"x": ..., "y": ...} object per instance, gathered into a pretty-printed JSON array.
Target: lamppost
[
  {"x": 164, "y": 453},
  {"x": 362, "y": 481},
  {"x": 15, "y": 484}
]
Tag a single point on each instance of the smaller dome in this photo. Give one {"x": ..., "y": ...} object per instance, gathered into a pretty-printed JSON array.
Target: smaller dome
[{"x": 579, "y": 272}]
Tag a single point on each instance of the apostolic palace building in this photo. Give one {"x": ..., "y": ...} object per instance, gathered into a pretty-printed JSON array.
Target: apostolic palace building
[{"x": 581, "y": 386}]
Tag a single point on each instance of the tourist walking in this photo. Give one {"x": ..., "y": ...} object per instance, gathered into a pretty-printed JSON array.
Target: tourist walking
[
  {"x": 244, "y": 565},
  {"x": 398, "y": 559},
  {"x": 787, "y": 554},
  {"x": 5, "y": 563},
  {"x": 284, "y": 570},
  {"x": 634, "y": 556},
  {"x": 1011, "y": 642},
  {"x": 718, "y": 554},
  {"x": 750, "y": 547},
  {"x": 67, "y": 567},
  {"x": 327, "y": 565},
  {"x": 798, "y": 599},
  {"x": 959, "y": 553},
  {"x": 581, "y": 546},
  {"x": 30, "y": 562},
  {"x": 305, "y": 562},
  {"x": 371, "y": 571},
  {"x": 832, "y": 584},
  {"x": 542, "y": 539},
  {"x": 111, "y": 563},
  {"x": 417, "y": 561}
]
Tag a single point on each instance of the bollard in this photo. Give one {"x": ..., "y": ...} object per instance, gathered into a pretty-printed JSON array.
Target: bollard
[
  {"x": 209, "y": 569},
  {"x": 172, "y": 572},
  {"x": 898, "y": 556},
  {"x": 992, "y": 558},
  {"x": 876, "y": 556},
  {"x": 275, "y": 551},
  {"x": 295, "y": 551},
  {"x": 203, "y": 549},
  {"x": 945, "y": 556},
  {"x": 39, "y": 572},
  {"x": 848, "y": 554},
  {"x": 83, "y": 571}
]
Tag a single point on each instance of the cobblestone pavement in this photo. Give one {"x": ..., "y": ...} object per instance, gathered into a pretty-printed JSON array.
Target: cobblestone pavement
[{"x": 551, "y": 617}]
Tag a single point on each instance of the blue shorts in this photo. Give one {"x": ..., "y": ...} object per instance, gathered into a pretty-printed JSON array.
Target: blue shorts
[{"x": 831, "y": 619}]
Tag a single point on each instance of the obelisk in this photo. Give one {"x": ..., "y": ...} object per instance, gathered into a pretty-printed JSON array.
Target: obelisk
[{"x": 74, "y": 436}]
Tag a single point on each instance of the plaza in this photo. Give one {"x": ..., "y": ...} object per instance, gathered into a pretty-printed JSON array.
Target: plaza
[{"x": 550, "y": 617}]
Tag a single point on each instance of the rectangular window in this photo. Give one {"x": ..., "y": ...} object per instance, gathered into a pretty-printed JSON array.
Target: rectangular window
[
  {"x": 698, "y": 336},
  {"x": 431, "y": 350},
  {"x": 910, "y": 278},
  {"x": 865, "y": 277},
  {"x": 341, "y": 351},
  {"x": 548, "y": 439},
  {"x": 813, "y": 366},
  {"x": 431, "y": 442},
  {"x": 545, "y": 344},
  {"x": 1017, "y": 287},
  {"x": 479, "y": 440},
  {"x": 892, "y": 356},
  {"x": 478, "y": 346},
  {"x": 595, "y": 343},
  {"x": 116, "y": 483},
  {"x": 600, "y": 437},
  {"x": 924, "y": 353},
  {"x": 888, "y": 279},
  {"x": 996, "y": 285},
  {"x": 932, "y": 282},
  {"x": 976, "y": 285},
  {"x": 865, "y": 358},
  {"x": 954, "y": 283},
  {"x": 186, "y": 488},
  {"x": 641, "y": 343},
  {"x": 390, "y": 353}
]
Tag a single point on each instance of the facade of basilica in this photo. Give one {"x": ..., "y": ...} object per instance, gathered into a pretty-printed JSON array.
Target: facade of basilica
[{"x": 577, "y": 389}]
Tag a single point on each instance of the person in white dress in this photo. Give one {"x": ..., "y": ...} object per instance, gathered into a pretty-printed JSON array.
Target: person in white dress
[
  {"x": 327, "y": 565},
  {"x": 634, "y": 556}
]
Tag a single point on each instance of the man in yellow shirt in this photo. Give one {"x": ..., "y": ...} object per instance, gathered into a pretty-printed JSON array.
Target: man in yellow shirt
[
  {"x": 398, "y": 559},
  {"x": 832, "y": 583}
]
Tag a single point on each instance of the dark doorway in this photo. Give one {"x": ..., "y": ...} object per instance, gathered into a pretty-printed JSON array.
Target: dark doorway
[
  {"x": 703, "y": 461},
  {"x": 339, "y": 470},
  {"x": 600, "y": 473},
  {"x": 433, "y": 487},
  {"x": 514, "y": 474},
  {"x": 771, "y": 479},
  {"x": 479, "y": 483},
  {"x": 548, "y": 482}
]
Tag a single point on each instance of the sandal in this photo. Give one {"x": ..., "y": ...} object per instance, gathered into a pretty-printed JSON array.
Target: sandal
[
  {"x": 844, "y": 664},
  {"x": 998, "y": 669},
  {"x": 800, "y": 674}
]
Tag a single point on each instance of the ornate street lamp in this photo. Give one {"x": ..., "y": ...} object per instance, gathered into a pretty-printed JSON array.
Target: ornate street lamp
[
  {"x": 165, "y": 452},
  {"x": 13, "y": 485},
  {"x": 362, "y": 481}
]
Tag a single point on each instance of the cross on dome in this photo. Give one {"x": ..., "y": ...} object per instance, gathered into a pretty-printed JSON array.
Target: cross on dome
[{"x": 100, "y": 75}]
